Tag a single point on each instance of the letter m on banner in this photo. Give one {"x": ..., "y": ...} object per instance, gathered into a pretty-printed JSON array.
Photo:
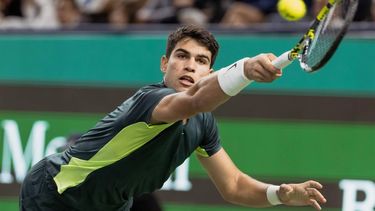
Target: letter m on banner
[{"x": 13, "y": 150}]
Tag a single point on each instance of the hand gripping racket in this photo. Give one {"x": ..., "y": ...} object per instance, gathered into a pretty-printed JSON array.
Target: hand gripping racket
[{"x": 323, "y": 37}]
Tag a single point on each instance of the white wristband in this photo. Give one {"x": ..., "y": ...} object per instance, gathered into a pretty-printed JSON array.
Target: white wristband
[
  {"x": 272, "y": 195},
  {"x": 232, "y": 79}
]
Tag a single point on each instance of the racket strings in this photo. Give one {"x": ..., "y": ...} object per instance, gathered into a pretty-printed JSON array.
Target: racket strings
[{"x": 328, "y": 35}]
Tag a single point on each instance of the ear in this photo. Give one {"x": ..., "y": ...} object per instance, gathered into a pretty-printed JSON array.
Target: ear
[
  {"x": 163, "y": 64},
  {"x": 211, "y": 70}
]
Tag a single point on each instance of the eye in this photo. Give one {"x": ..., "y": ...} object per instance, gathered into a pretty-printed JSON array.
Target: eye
[
  {"x": 181, "y": 56},
  {"x": 202, "y": 61}
]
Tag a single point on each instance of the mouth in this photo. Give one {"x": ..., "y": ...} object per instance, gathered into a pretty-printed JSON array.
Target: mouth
[{"x": 186, "y": 80}]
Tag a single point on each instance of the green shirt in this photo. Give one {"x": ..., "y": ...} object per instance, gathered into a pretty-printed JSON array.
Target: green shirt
[{"x": 124, "y": 155}]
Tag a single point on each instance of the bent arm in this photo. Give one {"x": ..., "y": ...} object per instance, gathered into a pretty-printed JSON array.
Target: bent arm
[
  {"x": 239, "y": 188},
  {"x": 233, "y": 185}
]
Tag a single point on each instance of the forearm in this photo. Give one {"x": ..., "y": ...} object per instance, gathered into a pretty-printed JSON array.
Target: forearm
[
  {"x": 249, "y": 192},
  {"x": 234, "y": 186},
  {"x": 204, "y": 96},
  {"x": 207, "y": 94},
  {"x": 212, "y": 91},
  {"x": 215, "y": 89}
]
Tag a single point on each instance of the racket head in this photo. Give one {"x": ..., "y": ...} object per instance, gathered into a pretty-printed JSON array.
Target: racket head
[{"x": 328, "y": 34}]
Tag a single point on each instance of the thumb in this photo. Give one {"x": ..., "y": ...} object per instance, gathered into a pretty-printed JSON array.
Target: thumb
[
  {"x": 286, "y": 188},
  {"x": 284, "y": 192}
]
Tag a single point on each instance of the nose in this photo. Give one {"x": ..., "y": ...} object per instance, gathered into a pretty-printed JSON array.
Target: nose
[{"x": 190, "y": 65}]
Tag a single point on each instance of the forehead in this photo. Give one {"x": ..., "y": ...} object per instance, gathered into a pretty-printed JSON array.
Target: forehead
[{"x": 193, "y": 47}]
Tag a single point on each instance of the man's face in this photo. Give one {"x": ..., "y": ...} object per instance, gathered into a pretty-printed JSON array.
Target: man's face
[{"x": 188, "y": 63}]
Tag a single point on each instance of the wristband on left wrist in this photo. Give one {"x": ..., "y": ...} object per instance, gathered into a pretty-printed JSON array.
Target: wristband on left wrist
[{"x": 272, "y": 196}]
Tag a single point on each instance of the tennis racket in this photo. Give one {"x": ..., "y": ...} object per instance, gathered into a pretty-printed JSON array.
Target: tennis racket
[{"x": 323, "y": 37}]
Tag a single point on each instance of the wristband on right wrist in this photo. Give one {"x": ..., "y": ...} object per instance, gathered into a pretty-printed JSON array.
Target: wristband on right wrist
[
  {"x": 232, "y": 79},
  {"x": 272, "y": 196}
]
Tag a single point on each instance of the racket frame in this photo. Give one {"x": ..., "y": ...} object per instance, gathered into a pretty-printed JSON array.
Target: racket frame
[{"x": 301, "y": 48}]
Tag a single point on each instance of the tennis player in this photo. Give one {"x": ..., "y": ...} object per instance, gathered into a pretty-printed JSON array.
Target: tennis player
[{"x": 135, "y": 148}]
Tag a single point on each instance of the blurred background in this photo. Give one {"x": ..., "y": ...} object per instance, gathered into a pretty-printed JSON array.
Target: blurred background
[{"x": 64, "y": 64}]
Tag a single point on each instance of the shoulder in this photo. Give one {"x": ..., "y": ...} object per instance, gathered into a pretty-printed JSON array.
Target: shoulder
[
  {"x": 149, "y": 93},
  {"x": 159, "y": 87},
  {"x": 154, "y": 92},
  {"x": 144, "y": 101}
]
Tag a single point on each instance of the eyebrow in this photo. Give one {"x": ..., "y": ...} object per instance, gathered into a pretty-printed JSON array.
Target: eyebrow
[{"x": 199, "y": 55}]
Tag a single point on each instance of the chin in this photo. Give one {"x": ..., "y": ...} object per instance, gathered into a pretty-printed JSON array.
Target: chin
[{"x": 181, "y": 88}]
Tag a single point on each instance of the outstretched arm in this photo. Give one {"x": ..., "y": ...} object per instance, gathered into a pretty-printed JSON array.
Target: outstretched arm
[
  {"x": 239, "y": 188},
  {"x": 210, "y": 92},
  {"x": 204, "y": 96}
]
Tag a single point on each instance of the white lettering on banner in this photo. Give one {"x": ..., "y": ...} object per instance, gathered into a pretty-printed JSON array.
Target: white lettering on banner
[
  {"x": 12, "y": 149},
  {"x": 181, "y": 180},
  {"x": 55, "y": 144},
  {"x": 351, "y": 188}
]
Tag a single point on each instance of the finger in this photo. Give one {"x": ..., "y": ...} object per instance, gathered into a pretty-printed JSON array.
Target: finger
[
  {"x": 266, "y": 62},
  {"x": 271, "y": 56},
  {"x": 314, "y": 184},
  {"x": 280, "y": 73},
  {"x": 265, "y": 69},
  {"x": 259, "y": 71},
  {"x": 256, "y": 76},
  {"x": 315, "y": 204},
  {"x": 261, "y": 67},
  {"x": 285, "y": 193},
  {"x": 286, "y": 188},
  {"x": 265, "y": 76},
  {"x": 316, "y": 195}
]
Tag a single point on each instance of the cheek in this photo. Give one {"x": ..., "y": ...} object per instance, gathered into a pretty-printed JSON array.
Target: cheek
[
  {"x": 172, "y": 66},
  {"x": 172, "y": 71},
  {"x": 204, "y": 72}
]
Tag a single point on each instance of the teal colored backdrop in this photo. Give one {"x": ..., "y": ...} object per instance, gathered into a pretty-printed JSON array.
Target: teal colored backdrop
[
  {"x": 132, "y": 60},
  {"x": 274, "y": 149}
]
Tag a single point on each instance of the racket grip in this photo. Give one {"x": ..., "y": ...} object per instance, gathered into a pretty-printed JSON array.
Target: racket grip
[{"x": 282, "y": 61}]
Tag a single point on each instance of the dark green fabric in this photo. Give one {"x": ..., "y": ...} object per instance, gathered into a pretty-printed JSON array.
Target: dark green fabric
[{"x": 146, "y": 168}]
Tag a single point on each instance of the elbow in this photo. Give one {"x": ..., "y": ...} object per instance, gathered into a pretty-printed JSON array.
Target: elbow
[
  {"x": 229, "y": 199},
  {"x": 229, "y": 195}
]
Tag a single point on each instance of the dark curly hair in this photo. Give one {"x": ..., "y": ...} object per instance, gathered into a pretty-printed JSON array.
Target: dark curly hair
[{"x": 197, "y": 33}]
